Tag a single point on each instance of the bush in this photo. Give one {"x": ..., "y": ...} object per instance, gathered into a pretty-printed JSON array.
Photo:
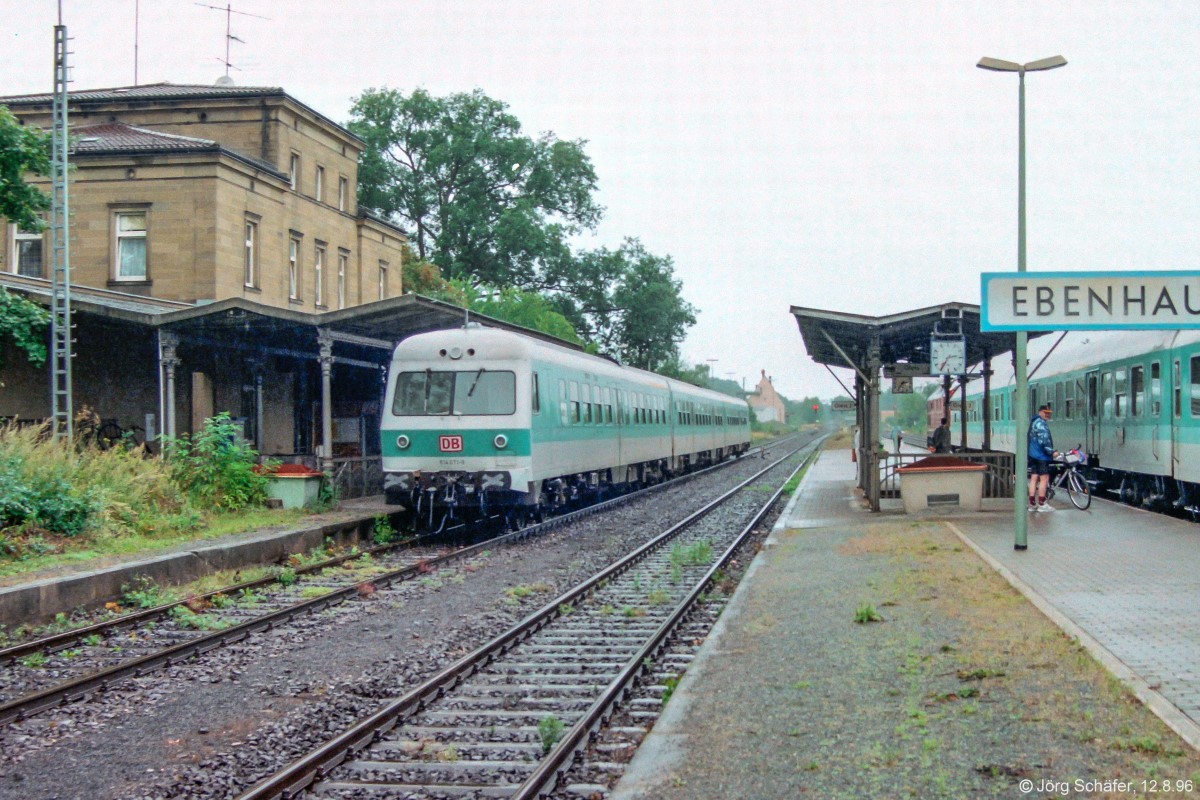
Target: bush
[
  {"x": 44, "y": 484},
  {"x": 216, "y": 467}
]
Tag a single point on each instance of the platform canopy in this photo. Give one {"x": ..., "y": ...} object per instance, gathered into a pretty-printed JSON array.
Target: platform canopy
[{"x": 840, "y": 339}]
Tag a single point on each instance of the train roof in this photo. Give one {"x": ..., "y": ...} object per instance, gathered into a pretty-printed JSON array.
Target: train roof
[
  {"x": 1078, "y": 350},
  {"x": 511, "y": 345}
]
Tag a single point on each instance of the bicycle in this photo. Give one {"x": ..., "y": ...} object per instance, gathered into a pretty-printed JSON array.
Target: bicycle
[{"x": 1078, "y": 489}]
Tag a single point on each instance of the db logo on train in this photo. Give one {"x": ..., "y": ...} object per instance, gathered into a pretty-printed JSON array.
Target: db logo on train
[{"x": 450, "y": 444}]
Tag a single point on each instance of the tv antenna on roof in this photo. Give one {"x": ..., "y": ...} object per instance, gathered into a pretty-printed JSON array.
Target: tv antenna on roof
[{"x": 229, "y": 37}]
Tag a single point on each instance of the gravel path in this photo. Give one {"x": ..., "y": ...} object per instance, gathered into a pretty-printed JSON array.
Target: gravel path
[
  {"x": 960, "y": 691},
  {"x": 284, "y": 690}
]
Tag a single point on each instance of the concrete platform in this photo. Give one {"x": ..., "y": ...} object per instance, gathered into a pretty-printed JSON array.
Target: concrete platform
[
  {"x": 1125, "y": 583},
  {"x": 37, "y": 598}
]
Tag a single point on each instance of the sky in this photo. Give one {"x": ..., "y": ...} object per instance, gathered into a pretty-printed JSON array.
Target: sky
[{"x": 842, "y": 155}]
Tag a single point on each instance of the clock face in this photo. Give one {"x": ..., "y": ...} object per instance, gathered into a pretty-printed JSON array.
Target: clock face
[{"x": 947, "y": 357}]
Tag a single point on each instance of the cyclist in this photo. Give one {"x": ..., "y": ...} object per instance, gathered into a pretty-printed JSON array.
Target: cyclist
[{"x": 1041, "y": 453}]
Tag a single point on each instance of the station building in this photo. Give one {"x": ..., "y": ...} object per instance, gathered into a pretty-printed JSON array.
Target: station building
[{"x": 219, "y": 262}]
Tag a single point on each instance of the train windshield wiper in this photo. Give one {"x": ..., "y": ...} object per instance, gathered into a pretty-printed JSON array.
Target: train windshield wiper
[{"x": 475, "y": 383}]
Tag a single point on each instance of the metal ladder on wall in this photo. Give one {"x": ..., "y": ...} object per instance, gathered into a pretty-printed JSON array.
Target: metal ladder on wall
[{"x": 61, "y": 329}]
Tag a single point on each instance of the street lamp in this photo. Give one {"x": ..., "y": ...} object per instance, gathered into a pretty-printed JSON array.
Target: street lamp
[
  {"x": 1021, "y": 411},
  {"x": 711, "y": 361}
]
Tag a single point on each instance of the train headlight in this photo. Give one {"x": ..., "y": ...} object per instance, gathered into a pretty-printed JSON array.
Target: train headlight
[
  {"x": 501, "y": 441},
  {"x": 402, "y": 442}
]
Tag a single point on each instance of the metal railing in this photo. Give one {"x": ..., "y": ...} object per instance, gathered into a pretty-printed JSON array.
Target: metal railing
[{"x": 358, "y": 477}]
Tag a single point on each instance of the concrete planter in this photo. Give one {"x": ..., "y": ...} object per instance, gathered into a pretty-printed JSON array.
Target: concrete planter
[
  {"x": 295, "y": 491},
  {"x": 942, "y": 482}
]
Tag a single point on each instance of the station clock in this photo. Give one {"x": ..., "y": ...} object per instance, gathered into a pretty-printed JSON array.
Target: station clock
[{"x": 948, "y": 356}]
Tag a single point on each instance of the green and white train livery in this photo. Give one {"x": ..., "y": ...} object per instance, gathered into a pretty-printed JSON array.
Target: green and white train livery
[
  {"x": 1130, "y": 398},
  {"x": 479, "y": 420}
]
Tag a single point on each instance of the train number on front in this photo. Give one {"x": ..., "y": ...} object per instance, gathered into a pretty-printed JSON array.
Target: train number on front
[{"x": 450, "y": 444}]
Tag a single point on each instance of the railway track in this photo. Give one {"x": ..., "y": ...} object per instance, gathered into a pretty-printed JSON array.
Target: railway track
[
  {"x": 509, "y": 718},
  {"x": 63, "y": 668}
]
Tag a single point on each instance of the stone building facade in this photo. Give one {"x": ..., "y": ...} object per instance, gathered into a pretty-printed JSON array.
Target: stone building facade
[
  {"x": 767, "y": 404},
  {"x": 200, "y": 193},
  {"x": 219, "y": 260}
]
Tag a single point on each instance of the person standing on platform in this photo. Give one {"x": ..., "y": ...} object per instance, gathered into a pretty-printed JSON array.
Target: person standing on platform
[
  {"x": 1041, "y": 453},
  {"x": 941, "y": 437}
]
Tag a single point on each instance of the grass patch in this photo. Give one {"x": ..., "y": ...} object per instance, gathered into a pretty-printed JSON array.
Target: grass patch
[
  {"x": 550, "y": 730},
  {"x": 867, "y": 613}
]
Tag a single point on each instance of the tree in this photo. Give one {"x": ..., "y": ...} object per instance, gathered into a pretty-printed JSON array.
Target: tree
[
  {"x": 22, "y": 151},
  {"x": 480, "y": 199},
  {"x": 626, "y": 300}
]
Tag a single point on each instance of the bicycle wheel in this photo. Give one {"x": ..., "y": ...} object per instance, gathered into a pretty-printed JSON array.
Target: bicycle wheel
[{"x": 1079, "y": 490}]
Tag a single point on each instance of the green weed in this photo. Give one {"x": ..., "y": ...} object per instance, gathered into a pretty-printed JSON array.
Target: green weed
[
  {"x": 867, "y": 613},
  {"x": 550, "y": 730}
]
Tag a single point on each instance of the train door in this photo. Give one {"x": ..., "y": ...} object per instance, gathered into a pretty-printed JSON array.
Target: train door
[{"x": 1092, "y": 412}]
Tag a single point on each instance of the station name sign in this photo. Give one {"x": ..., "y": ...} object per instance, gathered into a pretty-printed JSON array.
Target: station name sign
[{"x": 1078, "y": 301}]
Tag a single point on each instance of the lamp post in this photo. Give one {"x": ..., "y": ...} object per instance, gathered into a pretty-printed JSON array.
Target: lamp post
[
  {"x": 1021, "y": 405},
  {"x": 710, "y": 361}
]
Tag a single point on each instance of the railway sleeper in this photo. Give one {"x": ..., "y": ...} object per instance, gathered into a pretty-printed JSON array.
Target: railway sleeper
[
  {"x": 521, "y": 704},
  {"x": 358, "y": 791}
]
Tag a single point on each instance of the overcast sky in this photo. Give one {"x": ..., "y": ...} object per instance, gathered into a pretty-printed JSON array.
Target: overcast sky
[{"x": 837, "y": 155}]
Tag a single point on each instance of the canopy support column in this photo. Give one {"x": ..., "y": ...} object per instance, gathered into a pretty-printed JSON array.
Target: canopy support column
[
  {"x": 987, "y": 402},
  {"x": 325, "y": 342},
  {"x": 871, "y": 430},
  {"x": 168, "y": 362}
]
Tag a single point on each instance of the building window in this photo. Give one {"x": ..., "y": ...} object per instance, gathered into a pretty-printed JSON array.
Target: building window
[
  {"x": 251, "y": 254},
  {"x": 343, "y": 193},
  {"x": 343, "y": 263},
  {"x": 294, "y": 172},
  {"x": 294, "y": 268},
  {"x": 319, "y": 189},
  {"x": 319, "y": 275},
  {"x": 26, "y": 252},
  {"x": 383, "y": 279},
  {"x": 131, "y": 245}
]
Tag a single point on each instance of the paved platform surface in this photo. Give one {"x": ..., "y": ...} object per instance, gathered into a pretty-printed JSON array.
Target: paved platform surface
[{"x": 1124, "y": 582}]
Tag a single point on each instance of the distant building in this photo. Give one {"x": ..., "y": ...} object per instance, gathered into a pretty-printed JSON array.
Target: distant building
[{"x": 766, "y": 402}]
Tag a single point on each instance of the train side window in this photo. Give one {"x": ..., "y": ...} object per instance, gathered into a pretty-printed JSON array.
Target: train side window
[
  {"x": 1178, "y": 384},
  {"x": 564, "y": 414},
  {"x": 1155, "y": 389},
  {"x": 1120, "y": 390},
  {"x": 1060, "y": 394},
  {"x": 535, "y": 396},
  {"x": 1106, "y": 394},
  {"x": 574, "y": 403},
  {"x": 1195, "y": 373},
  {"x": 585, "y": 402},
  {"x": 1137, "y": 391},
  {"x": 1068, "y": 399}
]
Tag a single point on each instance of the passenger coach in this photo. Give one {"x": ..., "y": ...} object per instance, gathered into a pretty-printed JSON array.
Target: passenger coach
[
  {"x": 1130, "y": 399},
  {"x": 480, "y": 420}
]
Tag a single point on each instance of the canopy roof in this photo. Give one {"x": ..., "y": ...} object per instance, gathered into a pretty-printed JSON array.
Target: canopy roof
[
  {"x": 358, "y": 331},
  {"x": 902, "y": 337}
]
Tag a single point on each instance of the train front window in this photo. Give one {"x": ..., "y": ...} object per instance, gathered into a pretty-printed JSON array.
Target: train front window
[{"x": 476, "y": 392}]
